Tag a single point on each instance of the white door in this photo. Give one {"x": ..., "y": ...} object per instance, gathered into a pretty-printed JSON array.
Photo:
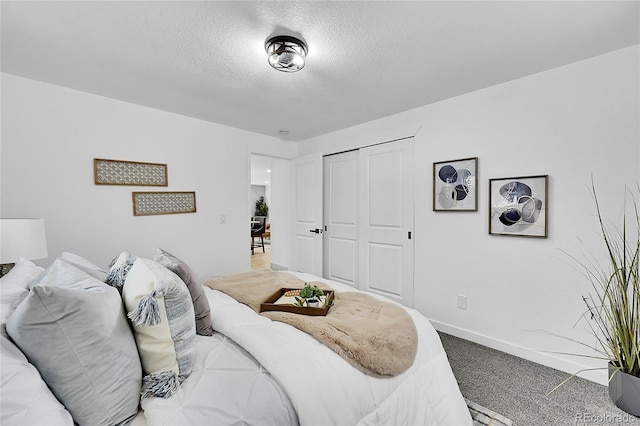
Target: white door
[
  {"x": 341, "y": 218},
  {"x": 386, "y": 220},
  {"x": 307, "y": 214}
]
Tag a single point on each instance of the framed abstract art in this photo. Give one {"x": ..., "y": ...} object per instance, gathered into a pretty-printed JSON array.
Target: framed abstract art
[
  {"x": 518, "y": 206},
  {"x": 455, "y": 185}
]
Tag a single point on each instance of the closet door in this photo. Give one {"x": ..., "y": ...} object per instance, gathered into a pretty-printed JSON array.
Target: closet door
[
  {"x": 386, "y": 220},
  {"x": 341, "y": 218}
]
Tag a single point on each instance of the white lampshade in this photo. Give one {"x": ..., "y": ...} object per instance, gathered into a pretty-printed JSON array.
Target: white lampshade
[{"x": 22, "y": 238}]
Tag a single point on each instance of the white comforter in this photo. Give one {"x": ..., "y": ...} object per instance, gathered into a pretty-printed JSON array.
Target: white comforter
[
  {"x": 325, "y": 390},
  {"x": 227, "y": 386}
]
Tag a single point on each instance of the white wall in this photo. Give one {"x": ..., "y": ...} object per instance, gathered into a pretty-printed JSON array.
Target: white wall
[
  {"x": 569, "y": 123},
  {"x": 280, "y": 213},
  {"x": 50, "y": 136}
]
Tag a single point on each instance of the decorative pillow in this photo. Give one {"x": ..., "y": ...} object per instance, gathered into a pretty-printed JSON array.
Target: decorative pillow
[
  {"x": 85, "y": 265},
  {"x": 161, "y": 312},
  {"x": 119, "y": 269},
  {"x": 14, "y": 286},
  {"x": 73, "y": 329},
  {"x": 204, "y": 327},
  {"x": 25, "y": 398}
]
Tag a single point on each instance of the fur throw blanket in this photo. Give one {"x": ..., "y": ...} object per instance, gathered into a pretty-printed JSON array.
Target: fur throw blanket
[{"x": 376, "y": 337}]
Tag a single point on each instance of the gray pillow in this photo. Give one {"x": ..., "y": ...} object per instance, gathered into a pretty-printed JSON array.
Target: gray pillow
[
  {"x": 161, "y": 314},
  {"x": 204, "y": 326},
  {"x": 85, "y": 265},
  {"x": 74, "y": 330}
]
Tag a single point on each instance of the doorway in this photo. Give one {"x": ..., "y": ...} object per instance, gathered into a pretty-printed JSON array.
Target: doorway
[{"x": 260, "y": 206}]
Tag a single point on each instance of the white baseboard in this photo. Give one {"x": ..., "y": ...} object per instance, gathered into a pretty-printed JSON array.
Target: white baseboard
[
  {"x": 546, "y": 359},
  {"x": 276, "y": 267}
]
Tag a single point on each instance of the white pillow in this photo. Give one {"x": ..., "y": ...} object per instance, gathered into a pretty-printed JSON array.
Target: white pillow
[
  {"x": 85, "y": 265},
  {"x": 13, "y": 286},
  {"x": 161, "y": 312},
  {"x": 74, "y": 330},
  {"x": 25, "y": 398},
  {"x": 119, "y": 269}
]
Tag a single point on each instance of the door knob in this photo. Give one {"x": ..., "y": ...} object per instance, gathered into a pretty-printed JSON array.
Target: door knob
[{"x": 316, "y": 231}]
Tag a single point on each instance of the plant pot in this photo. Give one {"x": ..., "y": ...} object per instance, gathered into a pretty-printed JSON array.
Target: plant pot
[
  {"x": 624, "y": 391},
  {"x": 313, "y": 303}
]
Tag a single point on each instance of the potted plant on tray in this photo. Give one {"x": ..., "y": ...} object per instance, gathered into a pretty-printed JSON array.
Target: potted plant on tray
[
  {"x": 310, "y": 295},
  {"x": 614, "y": 309}
]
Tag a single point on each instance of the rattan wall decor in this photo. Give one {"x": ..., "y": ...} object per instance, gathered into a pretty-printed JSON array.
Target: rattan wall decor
[
  {"x": 119, "y": 172},
  {"x": 151, "y": 203}
]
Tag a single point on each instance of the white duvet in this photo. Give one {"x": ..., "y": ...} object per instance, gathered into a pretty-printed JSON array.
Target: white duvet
[
  {"x": 323, "y": 388},
  {"x": 227, "y": 386}
]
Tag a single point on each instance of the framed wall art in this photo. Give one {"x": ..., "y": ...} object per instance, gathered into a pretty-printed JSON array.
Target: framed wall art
[
  {"x": 518, "y": 206},
  {"x": 119, "y": 172},
  {"x": 455, "y": 185},
  {"x": 152, "y": 203}
]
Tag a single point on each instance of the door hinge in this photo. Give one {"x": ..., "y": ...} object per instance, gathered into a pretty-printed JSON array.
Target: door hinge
[{"x": 409, "y": 235}]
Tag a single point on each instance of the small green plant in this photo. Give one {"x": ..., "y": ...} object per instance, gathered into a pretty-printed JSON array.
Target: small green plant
[
  {"x": 309, "y": 293},
  {"x": 262, "y": 209}
]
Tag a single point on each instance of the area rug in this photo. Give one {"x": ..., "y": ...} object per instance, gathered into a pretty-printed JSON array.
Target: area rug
[{"x": 483, "y": 416}]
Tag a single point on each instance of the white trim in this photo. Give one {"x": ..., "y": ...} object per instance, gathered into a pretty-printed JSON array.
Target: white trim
[
  {"x": 546, "y": 359},
  {"x": 276, "y": 267}
]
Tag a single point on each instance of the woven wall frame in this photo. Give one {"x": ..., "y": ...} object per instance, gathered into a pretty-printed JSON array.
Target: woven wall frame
[
  {"x": 119, "y": 172},
  {"x": 153, "y": 203}
]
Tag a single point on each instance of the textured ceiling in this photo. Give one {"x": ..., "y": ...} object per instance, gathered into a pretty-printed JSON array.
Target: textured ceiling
[{"x": 366, "y": 59}]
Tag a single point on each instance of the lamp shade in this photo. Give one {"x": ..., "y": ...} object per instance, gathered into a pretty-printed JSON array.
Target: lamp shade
[{"x": 22, "y": 238}]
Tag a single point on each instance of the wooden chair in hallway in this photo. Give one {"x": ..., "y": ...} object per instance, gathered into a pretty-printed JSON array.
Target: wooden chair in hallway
[{"x": 257, "y": 231}]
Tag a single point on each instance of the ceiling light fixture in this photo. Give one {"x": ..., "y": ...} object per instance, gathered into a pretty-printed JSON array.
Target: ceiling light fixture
[{"x": 286, "y": 53}]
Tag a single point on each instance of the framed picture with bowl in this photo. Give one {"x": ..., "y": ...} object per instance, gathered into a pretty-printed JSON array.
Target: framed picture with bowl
[
  {"x": 455, "y": 186},
  {"x": 518, "y": 206}
]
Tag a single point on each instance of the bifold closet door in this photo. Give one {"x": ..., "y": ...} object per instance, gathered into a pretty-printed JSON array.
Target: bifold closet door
[
  {"x": 341, "y": 218},
  {"x": 386, "y": 220}
]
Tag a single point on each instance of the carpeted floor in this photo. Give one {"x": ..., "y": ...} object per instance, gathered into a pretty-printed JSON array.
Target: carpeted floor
[{"x": 517, "y": 389}]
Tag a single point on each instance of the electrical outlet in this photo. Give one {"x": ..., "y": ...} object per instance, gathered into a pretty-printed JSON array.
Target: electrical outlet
[
  {"x": 223, "y": 218},
  {"x": 462, "y": 302}
]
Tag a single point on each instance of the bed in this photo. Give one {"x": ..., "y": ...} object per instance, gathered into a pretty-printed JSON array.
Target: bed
[{"x": 251, "y": 369}]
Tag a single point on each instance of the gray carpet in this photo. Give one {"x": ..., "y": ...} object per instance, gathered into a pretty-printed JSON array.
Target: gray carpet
[{"x": 517, "y": 389}]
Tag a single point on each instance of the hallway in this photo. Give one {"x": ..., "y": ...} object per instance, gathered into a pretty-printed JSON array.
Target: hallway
[{"x": 261, "y": 261}]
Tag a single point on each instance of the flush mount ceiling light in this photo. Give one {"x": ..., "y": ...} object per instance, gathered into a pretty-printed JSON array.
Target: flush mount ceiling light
[{"x": 286, "y": 53}]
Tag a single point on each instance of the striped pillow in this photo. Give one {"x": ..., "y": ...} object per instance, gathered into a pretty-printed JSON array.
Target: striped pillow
[
  {"x": 201, "y": 307},
  {"x": 161, "y": 312}
]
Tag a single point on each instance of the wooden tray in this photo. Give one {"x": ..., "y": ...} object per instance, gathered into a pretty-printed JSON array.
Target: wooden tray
[{"x": 270, "y": 305}]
